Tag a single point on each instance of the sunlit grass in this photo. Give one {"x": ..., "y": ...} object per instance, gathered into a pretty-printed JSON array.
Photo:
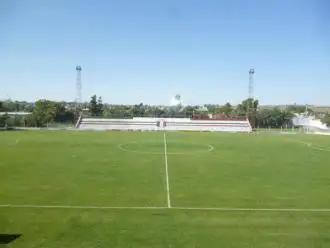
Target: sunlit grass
[{"x": 90, "y": 169}]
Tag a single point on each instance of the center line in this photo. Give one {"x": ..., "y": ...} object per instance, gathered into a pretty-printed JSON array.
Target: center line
[{"x": 166, "y": 172}]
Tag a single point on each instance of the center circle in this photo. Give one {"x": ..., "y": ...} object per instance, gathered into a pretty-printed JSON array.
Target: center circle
[{"x": 172, "y": 147}]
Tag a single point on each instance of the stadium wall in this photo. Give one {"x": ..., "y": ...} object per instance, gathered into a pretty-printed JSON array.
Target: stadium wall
[{"x": 167, "y": 124}]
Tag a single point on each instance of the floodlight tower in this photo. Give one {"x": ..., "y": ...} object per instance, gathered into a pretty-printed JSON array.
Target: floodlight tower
[
  {"x": 250, "y": 106},
  {"x": 251, "y": 83},
  {"x": 78, "y": 84}
]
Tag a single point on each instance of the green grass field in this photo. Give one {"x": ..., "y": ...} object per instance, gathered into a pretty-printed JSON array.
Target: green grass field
[{"x": 109, "y": 189}]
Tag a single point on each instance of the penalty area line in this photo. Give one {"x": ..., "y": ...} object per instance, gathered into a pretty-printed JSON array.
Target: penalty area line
[
  {"x": 311, "y": 210},
  {"x": 75, "y": 207},
  {"x": 324, "y": 210}
]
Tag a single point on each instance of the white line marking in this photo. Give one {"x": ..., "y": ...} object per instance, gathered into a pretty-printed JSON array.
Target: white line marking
[
  {"x": 311, "y": 145},
  {"x": 73, "y": 207},
  {"x": 311, "y": 210},
  {"x": 210, "y": 148},
  {"x": 166, "y": 172},
  {"x": 256, "y": 209}
]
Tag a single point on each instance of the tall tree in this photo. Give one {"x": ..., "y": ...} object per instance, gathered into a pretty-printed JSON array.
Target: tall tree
[
  {"x": 138, "y": 110},
  {"x": 249, "y": 108},
  {"x": 96, "y": 106},
  {"x": 93, "y": 106},
  {"x": 99, "y": 106},
  {"x": 62, "y": 114}
]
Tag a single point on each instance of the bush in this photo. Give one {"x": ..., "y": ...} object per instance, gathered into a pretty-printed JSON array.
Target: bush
[{"x": 3, "y": 119}]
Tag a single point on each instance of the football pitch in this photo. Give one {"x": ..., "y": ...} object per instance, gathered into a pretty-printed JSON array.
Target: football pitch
[{"x": 173, "y": 190}]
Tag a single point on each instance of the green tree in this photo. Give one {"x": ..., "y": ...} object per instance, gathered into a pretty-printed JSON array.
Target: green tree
[
  {"x": 189, "y": 111},
  {"x": 225, "y": 110},
  {"x": 3, "y": 120},
  {"x": 326, "y": 119},
  {"x": 211, "y": 107},
  {"x": 159, "y": 112},
  {"x": 287, "y": 117},
  {"x": 274, "y": 118},
  {"x": 44, "y": 112},
  {"x": 138, "y": 110},
  {"x": 31, "y": 121},
  {"x": 17, "y": 121},
  {"x": 248, "y": 105},
  {"x": 14, "y": 121},
  {"x": 99, "y": 106},
  {"x": 62, "y": 114},
  {"x": 299, "y": 109},
  {"x": 11, "y": 106},
  {"x": 95, "y": 106}
]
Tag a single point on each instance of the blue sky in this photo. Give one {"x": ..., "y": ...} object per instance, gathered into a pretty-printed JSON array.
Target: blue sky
[{"x": 150, "y": 50}]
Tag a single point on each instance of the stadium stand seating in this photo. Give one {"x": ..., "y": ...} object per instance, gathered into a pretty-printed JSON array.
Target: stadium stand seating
[{"x": 168, "y": 124}]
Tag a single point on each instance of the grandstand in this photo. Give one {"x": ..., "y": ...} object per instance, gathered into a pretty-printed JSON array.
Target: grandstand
[
  {"x": 15, "y": 113},
  {"x": 165, "y": 124}
]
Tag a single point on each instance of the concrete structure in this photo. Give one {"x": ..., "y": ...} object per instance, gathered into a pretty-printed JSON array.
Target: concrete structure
[
  {"x": 16, "y": 113},
  {"x": 167, "y": 124},
  {"x": 310, "y": 124}
]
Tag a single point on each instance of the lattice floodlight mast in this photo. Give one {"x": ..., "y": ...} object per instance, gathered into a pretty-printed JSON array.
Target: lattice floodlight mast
[
  {"x": 78, "y": 84},
  {"x": 251, "y": 83},
  {"x": 250, "y": 106}
]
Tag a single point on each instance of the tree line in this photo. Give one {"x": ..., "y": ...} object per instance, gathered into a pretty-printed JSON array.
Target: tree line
[{"x": 47, "y": 113}]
